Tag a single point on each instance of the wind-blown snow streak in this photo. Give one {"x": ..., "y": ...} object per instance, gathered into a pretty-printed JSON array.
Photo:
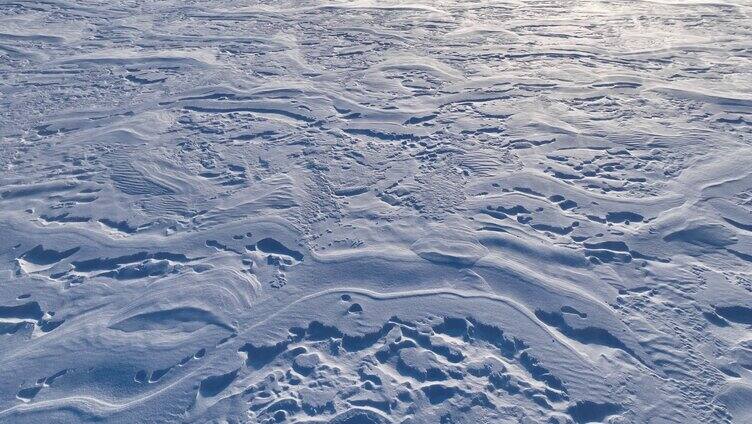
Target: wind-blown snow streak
[{"x": 376, "y": 212}]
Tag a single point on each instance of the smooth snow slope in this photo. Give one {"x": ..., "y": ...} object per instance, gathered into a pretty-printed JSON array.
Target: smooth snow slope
[{"x": 375, "y": 212}]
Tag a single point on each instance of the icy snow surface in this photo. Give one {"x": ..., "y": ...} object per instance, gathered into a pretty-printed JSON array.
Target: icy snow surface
[{"x": 375, "y": 211}]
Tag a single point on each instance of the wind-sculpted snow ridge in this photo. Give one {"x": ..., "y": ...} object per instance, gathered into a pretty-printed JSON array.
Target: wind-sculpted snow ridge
[{"x": 373, "y": 212}]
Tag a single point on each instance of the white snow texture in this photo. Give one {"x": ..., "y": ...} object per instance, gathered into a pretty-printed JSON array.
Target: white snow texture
[{"x": 375, "y": 211}]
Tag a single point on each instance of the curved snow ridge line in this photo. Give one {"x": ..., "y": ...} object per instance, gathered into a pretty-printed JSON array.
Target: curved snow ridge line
[
  {"x": 555, "y": 287},
  {"x": 395, "y": 253},
  {"x": 137, "y": 310},
  {"x": 100, "y": 408},
  {"x": 638, "y": 201},
  {"x": 86, "y": 404},
  {"x": 462, "y": 294},
  {"x": 558, "y": 288},
  {"x": 701, "y": 96},
  {"x": 85, "y": 236},
  {"x": 488, "y": 261},
  {"x": 703, "y": 182},
  {"x": 552, "y": 286}
]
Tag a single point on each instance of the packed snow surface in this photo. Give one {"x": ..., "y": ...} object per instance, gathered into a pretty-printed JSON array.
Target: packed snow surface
[{"x": 375, "y": 211}]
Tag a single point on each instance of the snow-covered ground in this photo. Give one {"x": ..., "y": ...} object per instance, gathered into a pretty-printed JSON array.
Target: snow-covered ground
[{"x": 375, "y": 211}]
